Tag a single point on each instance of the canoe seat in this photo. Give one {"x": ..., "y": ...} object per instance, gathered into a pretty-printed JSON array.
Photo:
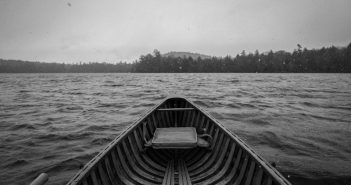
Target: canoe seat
[
  {"x": 177, "y": 138},
  {"x": 176, "y": 173}
]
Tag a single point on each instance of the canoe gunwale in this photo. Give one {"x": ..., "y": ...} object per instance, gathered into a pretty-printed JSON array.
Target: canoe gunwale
[{"x": 262, "y": 163}]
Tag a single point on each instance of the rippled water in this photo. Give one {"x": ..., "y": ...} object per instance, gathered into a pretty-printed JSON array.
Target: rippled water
[{"x": 55, "y": 123}]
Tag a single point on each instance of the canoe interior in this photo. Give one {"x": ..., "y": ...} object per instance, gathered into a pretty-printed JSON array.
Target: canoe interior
[{"x": 229, "y": 161}]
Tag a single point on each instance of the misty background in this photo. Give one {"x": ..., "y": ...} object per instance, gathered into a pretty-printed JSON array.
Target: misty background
[{"x": 109, "y": 31}]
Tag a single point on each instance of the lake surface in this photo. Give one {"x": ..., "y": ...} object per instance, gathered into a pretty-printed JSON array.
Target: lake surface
[{"x": 55, "y": 123}]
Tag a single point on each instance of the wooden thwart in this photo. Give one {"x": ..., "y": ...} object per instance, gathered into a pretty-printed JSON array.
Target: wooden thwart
[
  {"x": 177, "y": 138},
  {"x": 174, "y": 137},
  {"x": 176, "y": 109}
]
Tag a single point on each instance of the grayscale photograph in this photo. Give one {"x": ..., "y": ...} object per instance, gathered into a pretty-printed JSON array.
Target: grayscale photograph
[{"x": 175, "y": 92}]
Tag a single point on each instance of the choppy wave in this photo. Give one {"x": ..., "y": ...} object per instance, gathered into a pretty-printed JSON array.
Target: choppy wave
[{"x": 55, "y": 123}]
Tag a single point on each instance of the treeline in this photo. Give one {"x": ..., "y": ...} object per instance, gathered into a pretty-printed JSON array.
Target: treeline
[
  {"x": 324, "y": 60},
  {"x": 18, "y": 66}
]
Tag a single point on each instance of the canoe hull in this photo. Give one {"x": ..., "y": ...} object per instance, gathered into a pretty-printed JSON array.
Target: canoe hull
[{"x": 228, "y": 161}]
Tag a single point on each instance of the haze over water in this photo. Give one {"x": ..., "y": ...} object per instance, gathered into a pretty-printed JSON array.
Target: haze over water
[{"x": 55, "y": 123}]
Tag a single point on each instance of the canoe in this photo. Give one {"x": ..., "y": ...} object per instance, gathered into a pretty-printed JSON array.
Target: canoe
[{"x": 142, "y": 155}]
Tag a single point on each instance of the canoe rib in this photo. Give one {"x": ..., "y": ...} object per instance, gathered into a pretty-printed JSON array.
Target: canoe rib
[{"x": 229, "y": 161}]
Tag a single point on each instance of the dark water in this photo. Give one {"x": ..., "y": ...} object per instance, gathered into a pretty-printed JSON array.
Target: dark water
[{"x": 55, "y": 123}]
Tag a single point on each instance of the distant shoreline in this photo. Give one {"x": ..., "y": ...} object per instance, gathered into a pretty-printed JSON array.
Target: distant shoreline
[{"x": 302, "y": 60}]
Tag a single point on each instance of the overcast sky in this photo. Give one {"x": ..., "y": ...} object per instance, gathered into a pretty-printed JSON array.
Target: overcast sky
[{"x": 115, "y": 30}]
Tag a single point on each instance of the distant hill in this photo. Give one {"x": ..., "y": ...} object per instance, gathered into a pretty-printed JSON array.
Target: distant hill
[{"x": 175, "y": 54}]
